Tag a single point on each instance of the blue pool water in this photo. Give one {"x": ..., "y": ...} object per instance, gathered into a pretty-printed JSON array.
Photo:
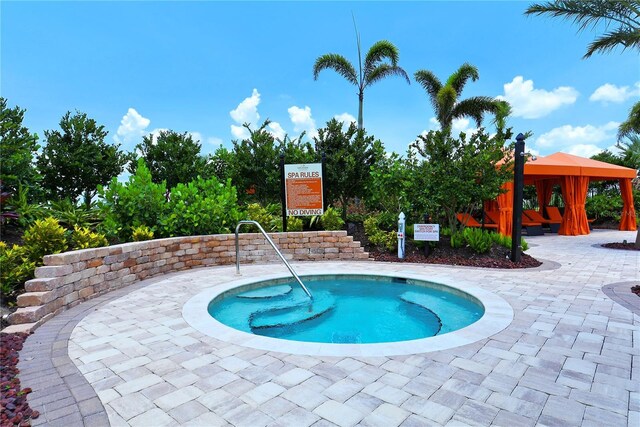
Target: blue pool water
[{"x": 347, "y": 309}]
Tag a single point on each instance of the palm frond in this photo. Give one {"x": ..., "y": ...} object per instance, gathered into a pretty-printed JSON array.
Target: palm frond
[
  {"x": 591, "y": 13},
  {"x": 625, "y": 37},
  {"x": 339, "y": 64},
  {"x": 475, "y": 107},
  {"x": 458, "y": 79},
  {"x": 503, "y": 111},
  {"x": 631, "y": 126},
  {"x": 382, "y": 71},
  {"x": 588, "y": 13},
  {"x": 380, "y": 51},
  {"x": 430, "y": 83},
  {"x": 446, "y": 101}
]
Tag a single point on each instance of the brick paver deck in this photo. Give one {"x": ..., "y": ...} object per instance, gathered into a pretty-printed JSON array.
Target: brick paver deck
[{"x": 571, "y": 356}]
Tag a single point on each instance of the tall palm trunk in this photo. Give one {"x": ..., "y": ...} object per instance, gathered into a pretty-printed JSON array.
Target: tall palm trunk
[{"x": 360, "y": 103}]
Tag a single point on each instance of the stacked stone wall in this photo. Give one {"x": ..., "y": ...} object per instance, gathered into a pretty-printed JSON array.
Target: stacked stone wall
[{"x": 69, "y": 278}]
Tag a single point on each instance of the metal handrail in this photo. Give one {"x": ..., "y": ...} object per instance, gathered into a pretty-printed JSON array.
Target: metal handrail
[{"x": 273, "y": 245}]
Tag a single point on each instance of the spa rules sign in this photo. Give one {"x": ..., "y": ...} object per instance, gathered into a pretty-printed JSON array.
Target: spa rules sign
[{"x": 303, "y": 188}]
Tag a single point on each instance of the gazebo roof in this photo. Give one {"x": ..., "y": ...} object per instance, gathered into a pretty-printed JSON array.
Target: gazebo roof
[{"x": 562, "y": 164}]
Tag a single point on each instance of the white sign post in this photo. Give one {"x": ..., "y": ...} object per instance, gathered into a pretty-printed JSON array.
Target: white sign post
[{"x": 401, "y": 235}]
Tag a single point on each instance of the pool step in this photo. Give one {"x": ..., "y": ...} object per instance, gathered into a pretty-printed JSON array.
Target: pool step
[
  {"x": 427, "y": 302},
  {"x": 299, "y": 311},
  {"x": 268, "y": 292}
]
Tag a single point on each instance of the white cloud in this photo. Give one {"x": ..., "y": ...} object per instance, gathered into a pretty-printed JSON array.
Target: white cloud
[
  {"x": 345, "y": 118},
  {"x": 582, "y": 141},
  {"x": 239, "y": 132},
  {"x": 611, "y": 93},
  {"x": 584, "y": 150},
  {"x": 531, "y": 103},
  {"x": 276, "y": 130},
  {"x": 132, "y": 128},
  {"x": 462, "y": 125},
  {"x": 457, "y": 126},
  {"x": 247, "y": 110},
  {"x": 302, "y": 120}
]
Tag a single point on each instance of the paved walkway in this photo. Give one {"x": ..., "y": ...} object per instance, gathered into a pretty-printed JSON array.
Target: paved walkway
[{"x": 571, "y": 356}]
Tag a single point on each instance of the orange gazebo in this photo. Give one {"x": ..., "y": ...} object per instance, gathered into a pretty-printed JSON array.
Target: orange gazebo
[{"x": 573, "y": 173}]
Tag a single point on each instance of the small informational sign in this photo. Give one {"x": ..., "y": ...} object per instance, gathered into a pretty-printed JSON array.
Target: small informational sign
[
  {"x": 303, "y": 188},
  {"x": 426, "y": 232}
]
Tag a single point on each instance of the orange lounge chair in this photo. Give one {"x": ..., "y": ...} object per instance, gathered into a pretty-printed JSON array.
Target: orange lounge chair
[
  {"x": 555, "y": 215},
  {"x": 535, "y": 216},
  {"x": 470, "y": 221},
  {"x": 533, "y": 228}
]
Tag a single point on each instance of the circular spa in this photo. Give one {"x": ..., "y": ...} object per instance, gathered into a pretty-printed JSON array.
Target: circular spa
[
  {"x": 353, "y": 314},
  {"x": 347, "y": 309}
]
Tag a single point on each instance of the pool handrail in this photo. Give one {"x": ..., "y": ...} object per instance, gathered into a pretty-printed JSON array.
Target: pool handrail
[{"x": 273, "y": 245}]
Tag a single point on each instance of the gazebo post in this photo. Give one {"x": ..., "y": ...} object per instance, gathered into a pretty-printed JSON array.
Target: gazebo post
[{"x": 518, "y": 185}]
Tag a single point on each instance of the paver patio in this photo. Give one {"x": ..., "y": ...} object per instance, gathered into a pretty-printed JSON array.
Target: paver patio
[{"x": 571, "y": 355}]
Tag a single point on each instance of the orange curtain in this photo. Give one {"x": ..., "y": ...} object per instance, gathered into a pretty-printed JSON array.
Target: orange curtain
[
  {"x": 544, "y": 188},
  {"x": 505, "y": 208},
  {"x": 574, "y": 193},
  {"x": 628, "y": 217}
]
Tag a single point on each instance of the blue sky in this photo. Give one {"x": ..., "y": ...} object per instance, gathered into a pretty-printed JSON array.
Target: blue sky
[{"x": 205, "y": 67}]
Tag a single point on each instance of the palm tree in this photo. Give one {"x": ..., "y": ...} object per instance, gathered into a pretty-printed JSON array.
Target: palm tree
[
  {"x": 620, "y": 17},
  {"x": 631, "y": 126},
  {"x": 447, "y": 106},
  {"x": 375, "y": 68}
]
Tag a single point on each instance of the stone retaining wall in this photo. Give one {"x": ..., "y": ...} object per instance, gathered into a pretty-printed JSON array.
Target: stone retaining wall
[{"x": 69, "y": 278}]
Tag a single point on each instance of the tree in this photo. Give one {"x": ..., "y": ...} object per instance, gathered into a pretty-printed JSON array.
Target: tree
[
  {"x": 171, "y": 157},
  {"x": 621, "y": 18},
  {"x": 255, "y": 163},
  {"x": 76, "y": 159},
  {"x": 394, "y": 172},
  {"x": 631, "y": 126},
  {"x": 458, "y": 174},
  {"x": 630, "y": 152},
  {"x": 349, "y": 157},
  {"x": 17, "y": 148},
  {"x": 375, "y": 68},
  {"x": 445, "y": 97}
]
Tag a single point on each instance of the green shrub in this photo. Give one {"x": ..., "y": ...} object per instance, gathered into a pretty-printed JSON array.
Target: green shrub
[
  {"x": 27, "y": 212},
  {"x": 267, "y": 217},
  {"x": 141, "y": 233},
  {"x": 331, "y": 220},
  {"x": 83, "y": 238},
  {"x": 44, "y": 237},
  {"x": 501, "y": 240},
  {"x": 523, "y": 244},
  {"x": 137, "y": 202},
  {"x": 478, "y": 239},
  {"x": 203, "y": 206},
  {"x": 69, "y": 215},
  {"x": 457, "y": 240},
  {"x": 604, "y": 206},
  {"x": 294, "y": 223},
  {"x": 378, "y": 237},
  {"x": 16, "y": 269}
]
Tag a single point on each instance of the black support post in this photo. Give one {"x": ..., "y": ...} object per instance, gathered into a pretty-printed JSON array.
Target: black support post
[
  {"x": 324, "y": 181},
  {"x": 283, "y": 196},
  {"x": 518, "y": 185}
]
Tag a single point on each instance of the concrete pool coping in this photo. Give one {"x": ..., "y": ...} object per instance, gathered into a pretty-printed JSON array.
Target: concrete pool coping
[
  {"x": 568, "y": 354},
  {"x": 498, "y": 314}
]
